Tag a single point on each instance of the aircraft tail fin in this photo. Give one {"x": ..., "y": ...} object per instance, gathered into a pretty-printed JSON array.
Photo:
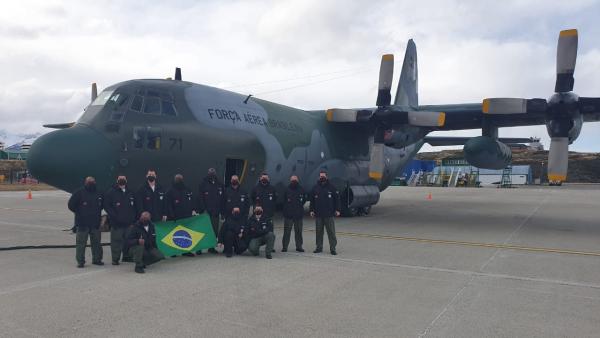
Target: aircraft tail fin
[{"x": 407, "y": 91}]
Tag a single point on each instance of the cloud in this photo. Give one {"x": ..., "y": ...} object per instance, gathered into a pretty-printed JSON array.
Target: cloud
[{"x": 327, "y": 50}]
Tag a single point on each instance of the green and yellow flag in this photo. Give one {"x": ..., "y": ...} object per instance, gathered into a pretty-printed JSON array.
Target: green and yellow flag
[{"x": 185, "y": 235}]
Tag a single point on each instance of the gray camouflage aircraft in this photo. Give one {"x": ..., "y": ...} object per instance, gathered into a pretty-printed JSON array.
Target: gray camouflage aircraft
[{"x": 176, "y": 126}]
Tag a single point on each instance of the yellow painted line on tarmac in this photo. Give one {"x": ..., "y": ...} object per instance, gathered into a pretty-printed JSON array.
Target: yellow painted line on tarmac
[
  {"x": 463, "y": 243},
  {"x": 34, "y": 210}
]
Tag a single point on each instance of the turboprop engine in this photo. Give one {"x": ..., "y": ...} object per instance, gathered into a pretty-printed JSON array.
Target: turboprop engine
[{"x": 487, "y": 152}]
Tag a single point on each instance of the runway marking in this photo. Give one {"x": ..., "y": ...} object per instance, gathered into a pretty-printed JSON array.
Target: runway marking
[
  {"x": 512, "y": 234},
  {"x": 34, "y": 210},
  {"x": 466, "y": 273},
  {"x": 46, "y": 282},
  {"x": 464, "y": 243}
]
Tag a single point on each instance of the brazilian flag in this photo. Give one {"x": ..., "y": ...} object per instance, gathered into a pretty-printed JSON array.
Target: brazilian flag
[{"x": 185, "y": 235}]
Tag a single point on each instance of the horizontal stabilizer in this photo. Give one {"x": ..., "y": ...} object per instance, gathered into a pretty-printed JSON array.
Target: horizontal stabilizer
[
  {"x": 59, "y": 125},
  {"x": 438, "y": 141}
]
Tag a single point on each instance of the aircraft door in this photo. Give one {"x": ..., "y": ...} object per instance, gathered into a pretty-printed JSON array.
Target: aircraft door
[{"x": 234, "y": 166}]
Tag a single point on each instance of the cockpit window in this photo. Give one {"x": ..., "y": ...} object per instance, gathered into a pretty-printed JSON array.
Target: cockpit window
[
  {"x": 168, "y": 108},
  {"x": 152, "y": 105},
  {"x": 136, "y": 104},
  {"x": 155, "y": 102},
  {"x": 117, "y": 101},
  {"x": 102, "y": 98}
]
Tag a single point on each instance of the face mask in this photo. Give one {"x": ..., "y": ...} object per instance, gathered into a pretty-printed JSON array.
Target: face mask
[
  {"x": 90, "y": 186},
  {"x": 151, "y": 178},
  {"x": 236, "y": 213},
  {"x": 294, "y": 184},
  {"x": 179, "y": 183},
  {"x": 122, "y": 181}
]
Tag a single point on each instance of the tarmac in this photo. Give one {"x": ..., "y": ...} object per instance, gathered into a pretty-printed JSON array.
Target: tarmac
[{"x": 521, "y": 262}]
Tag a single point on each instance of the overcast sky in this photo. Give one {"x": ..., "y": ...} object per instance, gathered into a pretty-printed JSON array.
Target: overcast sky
[{"x": 306, "y": 54}]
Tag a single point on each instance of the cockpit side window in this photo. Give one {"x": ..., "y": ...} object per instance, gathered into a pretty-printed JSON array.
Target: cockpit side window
[{"x": 117, "y": 104}]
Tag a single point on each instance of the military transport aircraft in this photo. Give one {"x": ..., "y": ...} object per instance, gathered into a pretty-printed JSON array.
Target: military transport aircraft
[{"x": 176, "y": 126}]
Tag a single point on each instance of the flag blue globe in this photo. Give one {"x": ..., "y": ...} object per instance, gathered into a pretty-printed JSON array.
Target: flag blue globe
[{"x": 182, "y": 239}]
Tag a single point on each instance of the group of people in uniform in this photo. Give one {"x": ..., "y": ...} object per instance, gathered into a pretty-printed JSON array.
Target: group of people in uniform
[{"x": 247, "y": 219}]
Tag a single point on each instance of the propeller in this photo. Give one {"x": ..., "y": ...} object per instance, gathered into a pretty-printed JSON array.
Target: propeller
[
  {"x": 385, "y": 117},
  {"x": 563, "y": 111}
]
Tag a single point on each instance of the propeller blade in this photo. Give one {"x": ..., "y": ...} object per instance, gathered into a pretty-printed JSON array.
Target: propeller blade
[
  {"x": 558, "y": 159},
  {"x": 386, "y": 74},
  {"x": 589, "y": 105},
  {"x": 376, "y": 164},
  {"x": 177, "y": 74},
  {"x": 566, "y": 56},
  {"x": 348, "y": 115},
  {"x": 426, "y": 118},
  {"x": 94, "y": 91},
  {"x": 506, "y": 105}
]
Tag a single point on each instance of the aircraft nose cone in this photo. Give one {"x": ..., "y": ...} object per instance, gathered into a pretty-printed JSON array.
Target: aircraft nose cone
[{"x": 63, "y": 158}]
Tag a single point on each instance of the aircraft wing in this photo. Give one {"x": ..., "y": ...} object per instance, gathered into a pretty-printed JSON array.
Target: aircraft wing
[{"x": 471, "y": 115}]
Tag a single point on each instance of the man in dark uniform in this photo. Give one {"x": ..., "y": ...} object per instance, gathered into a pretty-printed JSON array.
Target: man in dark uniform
[
  {"x": 235, "y": 197},
  {"x": 260, "y": 232},
  {"x": 211, "y": 196},
  {"x": 180, "y": 203},
  {"x": 232, "y": 232},
  {"x": 119, "y": 203},
  {"x": 86, "y": 203},
  {"x": 141, "y": 243},
  {"x": 293, "y": 212},
  {"x": 324, "y": 206},
  {"x": 151, "y": 197},
  {"x": 264, "y": 195}
]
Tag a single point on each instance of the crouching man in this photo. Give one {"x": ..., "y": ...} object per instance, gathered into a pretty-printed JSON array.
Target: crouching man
[
  {"x": 232, "y": 233},
  {"x": 141, "y": 240},
  {"x": 260, "y": 230}
]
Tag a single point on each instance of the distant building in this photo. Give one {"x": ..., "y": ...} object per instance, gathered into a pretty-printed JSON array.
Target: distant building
[
  {"x": 17, "y": 151},
  {"x": 519, "y": 174}
]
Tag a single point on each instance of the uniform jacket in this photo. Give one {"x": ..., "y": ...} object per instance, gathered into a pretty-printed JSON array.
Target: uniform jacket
[
  {"x": 180, "y": 203},
  {"x": 235, "y": 198},
  {"x": 259, "y": 227},
  {"x": 233, "y": 224},
  {"x": 137, "y": 232},
  {"x": 294, "y": 199},
  {"x": 324, "y": 200},
  {"x": 87, "y": 206},
  {"x": 210, "y": 195},
  {"x": 151, "y": 201},
  {"x": 120, "y": 206},
  {"x": 266, "y": 197}
]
